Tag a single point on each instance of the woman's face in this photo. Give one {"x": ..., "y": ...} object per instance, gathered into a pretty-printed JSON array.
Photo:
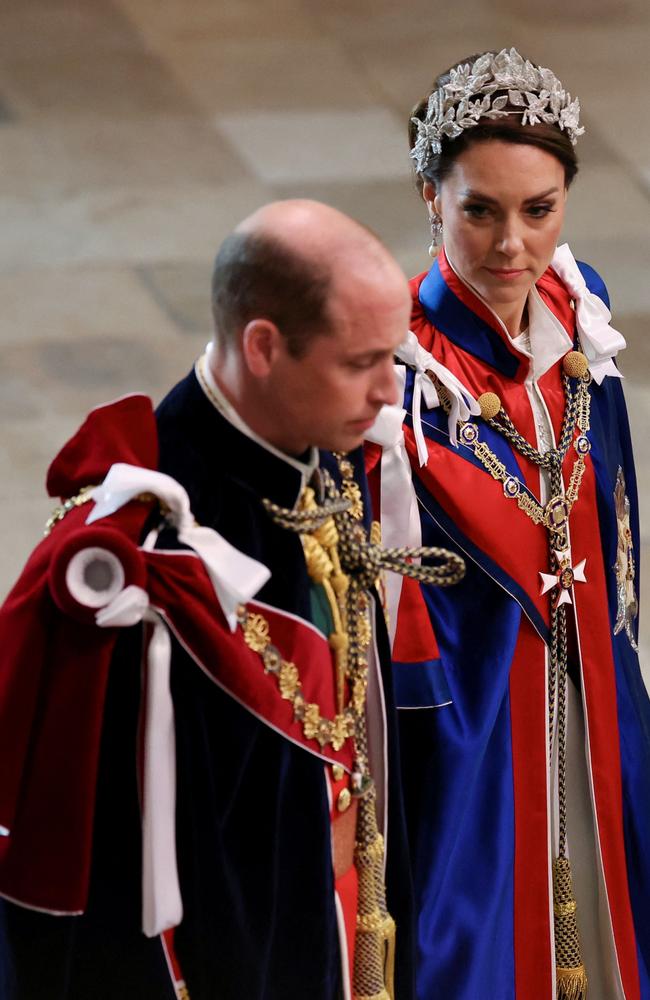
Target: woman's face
[{"x": 502, "y": 209}]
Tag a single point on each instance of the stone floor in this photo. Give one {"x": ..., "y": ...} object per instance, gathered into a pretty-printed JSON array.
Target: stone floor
[{"x": 135, "y": 133}]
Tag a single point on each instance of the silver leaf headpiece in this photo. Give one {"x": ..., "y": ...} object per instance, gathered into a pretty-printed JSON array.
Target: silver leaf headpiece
[{"x": 451, "y": 110}]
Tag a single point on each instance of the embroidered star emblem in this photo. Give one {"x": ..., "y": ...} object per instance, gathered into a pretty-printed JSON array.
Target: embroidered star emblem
[{"x": 564, "y": 578}]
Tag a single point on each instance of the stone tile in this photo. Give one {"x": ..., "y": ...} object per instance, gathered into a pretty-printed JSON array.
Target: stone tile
[
  {"x": 74, "y": 304},
  {"x": 392, "y": 209},
  {"x": 26, "y": 451},
  {"x": 318, "y": 146},
  {"x": 124, "y": 225},
  {"x": 62, "y": 158},
  {"x": 182, "y": 290},
  {"x": 57, "y": 28},
  {"x": 268, "y": 74},
  {"x": 23, "y": 520},
  {"x": 624, "y": 265},
  {"x": 595, "y": 147},
  {"x": 6, "y": 115},
  {"x": 95, "y": 83},
  {"x": 604, "y": 204},
  {"x": 162, "y": 24},
  {"x": 383, "y": 20},
  {"x": 68, "y": 377},
  {"x": 638, "y": 403},
  {"x": 635, "y": 359},
  {"x": 608, "y": 12}
]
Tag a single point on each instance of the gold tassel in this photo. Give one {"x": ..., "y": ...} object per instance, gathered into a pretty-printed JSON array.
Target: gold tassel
[
  {"x": 374, "y": 949},
  {"x": 571, "y": 974}
]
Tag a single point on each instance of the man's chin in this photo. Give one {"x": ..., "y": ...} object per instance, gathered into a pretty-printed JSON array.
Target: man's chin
[{"x": 348, "y": 441}]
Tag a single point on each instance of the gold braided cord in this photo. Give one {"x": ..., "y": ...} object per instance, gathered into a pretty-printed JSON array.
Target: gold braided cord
[
  {"x": 570, "y": 972},
  {"x": 347, "y": 564},
  {"x": 82, "y": 497},
  {"x": 571, "y": 976}
]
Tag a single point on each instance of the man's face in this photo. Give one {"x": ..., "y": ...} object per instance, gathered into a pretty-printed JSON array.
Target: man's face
[{"x": 331, "y": 395}]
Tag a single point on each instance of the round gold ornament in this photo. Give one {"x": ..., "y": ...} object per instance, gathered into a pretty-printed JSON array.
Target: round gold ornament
[
  {"x": 575, "y": 364},
  {"x": 490, "y": 405}
]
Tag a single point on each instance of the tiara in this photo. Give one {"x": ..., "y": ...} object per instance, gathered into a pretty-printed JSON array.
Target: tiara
[{"x": 535, "y": 90}]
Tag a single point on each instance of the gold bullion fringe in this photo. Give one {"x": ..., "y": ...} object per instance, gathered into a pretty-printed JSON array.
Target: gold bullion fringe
[
  {"x": 571, "y": 974},
  {"x": 374, "y": 949}
]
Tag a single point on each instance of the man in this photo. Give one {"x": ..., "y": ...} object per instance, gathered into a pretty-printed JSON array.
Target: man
[{"x": 273, "y": 742}]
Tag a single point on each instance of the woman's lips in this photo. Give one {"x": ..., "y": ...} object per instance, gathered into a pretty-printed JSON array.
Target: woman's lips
[{"x": 505, "y": 273}]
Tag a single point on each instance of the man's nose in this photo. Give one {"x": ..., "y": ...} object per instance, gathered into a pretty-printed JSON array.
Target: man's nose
[{"x": 383, "y": 389}]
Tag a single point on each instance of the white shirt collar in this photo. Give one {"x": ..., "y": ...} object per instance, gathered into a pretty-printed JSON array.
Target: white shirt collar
[
  {"x": 214, "y": 394},
  {"x": 548, "y": 339}
]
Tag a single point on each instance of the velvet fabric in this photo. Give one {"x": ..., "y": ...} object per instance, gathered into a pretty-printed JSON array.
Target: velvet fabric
[
  {"x": 253, "y": 815},
  {"x": 473, "y": 720}
]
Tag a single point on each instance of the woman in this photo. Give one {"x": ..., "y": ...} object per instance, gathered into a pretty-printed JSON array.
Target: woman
[{"x": 527, "y": 766}]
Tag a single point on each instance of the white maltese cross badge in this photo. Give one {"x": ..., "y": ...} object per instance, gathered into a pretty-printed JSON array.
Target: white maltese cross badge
[{"x": 564, "y": 578}]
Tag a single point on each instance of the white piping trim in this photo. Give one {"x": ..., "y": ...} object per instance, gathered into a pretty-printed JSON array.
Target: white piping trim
[
  {"x": 419, "y": 708},
  {"x": 41, "y": 909},
  {"x": 482, "y": 568},
  {"x": 343, "y": 943}
]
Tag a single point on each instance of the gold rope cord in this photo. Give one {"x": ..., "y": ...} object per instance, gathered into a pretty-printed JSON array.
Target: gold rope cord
[{"x": 571, "y": 975}]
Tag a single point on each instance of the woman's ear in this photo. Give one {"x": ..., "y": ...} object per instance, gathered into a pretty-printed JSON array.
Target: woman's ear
[{"x": 429, "y": 195}]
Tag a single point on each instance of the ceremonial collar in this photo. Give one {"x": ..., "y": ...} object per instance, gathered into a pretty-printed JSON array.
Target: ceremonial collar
[
  {"x": 467, "y": 321},
  {"x": 216, "y": 397}
]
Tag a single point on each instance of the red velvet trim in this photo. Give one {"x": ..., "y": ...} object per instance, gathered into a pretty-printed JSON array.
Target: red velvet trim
[
  {"x": 52, "y": 689},
  {"x": 494, "y": 524},
  {"x": 533, "y": 958},
  {"x": 71, "y": 543},
  {"x": 179, "y": 585},
  {"x": 122, "y": 431}
]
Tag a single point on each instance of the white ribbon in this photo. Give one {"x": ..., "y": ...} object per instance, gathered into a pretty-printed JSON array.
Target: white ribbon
[
  {"x": 600, "y": 341},
  {"x": 400, "y": 521},
  {"x": 162, "y": 906},
  {"x": 236, "y": 577},
  {"x": 463, "y": 403}
]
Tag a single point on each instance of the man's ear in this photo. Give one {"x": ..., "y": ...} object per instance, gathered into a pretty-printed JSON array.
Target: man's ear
[{"x": 261, "y": 345}]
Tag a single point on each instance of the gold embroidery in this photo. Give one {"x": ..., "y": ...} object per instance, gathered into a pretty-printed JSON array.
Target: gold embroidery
[{"x": 624, "y": 567}]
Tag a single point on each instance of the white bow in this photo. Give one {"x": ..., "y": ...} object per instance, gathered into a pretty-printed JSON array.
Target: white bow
[
  {"x": 463, "y": 403},
  {"x": 236, "y": 577},
  {"x": 600, "y": 342},
  {"x": 400, "y": 520}
]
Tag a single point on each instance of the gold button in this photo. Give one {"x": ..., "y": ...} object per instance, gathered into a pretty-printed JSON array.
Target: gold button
[
  {"x": 575, "y": 364},
  {"x": 344, "y": 800},
  {"x": 337, "y": 772},
  {"x": 490, "y": 405}
]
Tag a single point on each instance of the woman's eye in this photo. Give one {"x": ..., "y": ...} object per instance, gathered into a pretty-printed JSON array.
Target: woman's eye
[
  {"x": 476, "y": 211},
  {"x": 539, "y": 211}
]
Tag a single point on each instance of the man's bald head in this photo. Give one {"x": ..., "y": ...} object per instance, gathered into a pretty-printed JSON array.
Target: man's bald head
[{"x": 286, "y": 263}]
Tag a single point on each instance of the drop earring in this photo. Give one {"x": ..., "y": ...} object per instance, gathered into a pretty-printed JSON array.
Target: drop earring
[{"x": 436, "y": 233}]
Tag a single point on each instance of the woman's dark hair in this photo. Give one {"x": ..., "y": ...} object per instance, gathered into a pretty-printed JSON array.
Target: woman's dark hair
[{"x": 549, "y": 138}]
